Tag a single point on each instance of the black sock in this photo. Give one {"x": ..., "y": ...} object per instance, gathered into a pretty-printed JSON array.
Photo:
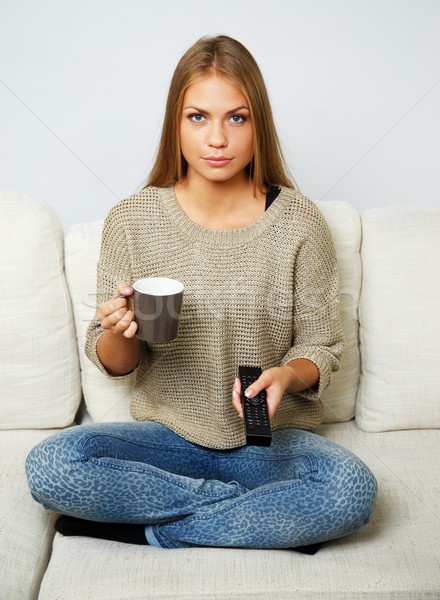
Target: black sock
[
  {"x": 310, "y": 549},
  {"x": 118, "y": 532}
]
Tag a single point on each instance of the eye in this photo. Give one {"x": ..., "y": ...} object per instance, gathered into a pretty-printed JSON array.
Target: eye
[
  {"x": 196, "y": 118},
  {"x": 238, "y": 118}
]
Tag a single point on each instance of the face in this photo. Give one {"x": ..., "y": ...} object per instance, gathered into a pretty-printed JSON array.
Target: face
[{"x": 216, "y": 134}]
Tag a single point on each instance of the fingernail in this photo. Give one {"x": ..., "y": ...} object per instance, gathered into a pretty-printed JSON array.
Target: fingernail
[
  {"x": 249, "y": 393},
  {"x": 127, "y": 290}
]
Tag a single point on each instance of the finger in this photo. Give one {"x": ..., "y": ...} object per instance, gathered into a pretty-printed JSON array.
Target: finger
[
  {"x": 123, "y": 290},
  {"x": 131, "y": 330},
  {"x": 272, "y": 405},
  {"x": 237, "y": 385},
  {"x": 274, "y": 394},
  {"x": 112, "y": 320},
  {"x": 259, "y": 384},
  {"x": 106, "y": 309},
  {"x": 236, "y": 399},
  {"x": 125, "y": 318}
]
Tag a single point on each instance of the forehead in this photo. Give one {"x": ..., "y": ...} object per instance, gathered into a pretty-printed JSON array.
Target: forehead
[{"x": 216, "y": 91}]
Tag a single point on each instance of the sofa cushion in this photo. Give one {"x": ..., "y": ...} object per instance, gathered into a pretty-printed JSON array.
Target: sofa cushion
[
  {"x": 39, "y": 366},
  {"x": 26, "y": 529},
  {"x": 395, "y": 556},
  {"x": 400, "y": 319},
  {"x": 339, "y": 398},
  {"x": 108, "y": 400}
]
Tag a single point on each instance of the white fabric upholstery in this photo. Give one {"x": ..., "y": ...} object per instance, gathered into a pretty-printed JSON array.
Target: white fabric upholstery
[
  {"x": 39, "y": 367},
  {"x": 108, "y": 400},
  {"x": 395, "y": 556},
  {"x": 400, "y": 319},
  {"x": 26, "y": 530},
  {"x": 339, "y": 398}
]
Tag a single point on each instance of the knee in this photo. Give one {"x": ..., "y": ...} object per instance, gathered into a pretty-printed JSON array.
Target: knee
[
  {"x": 45, "y": 467},
  {"x": 360, "y": 496},
  {"x": 36, "y": 468},
  {"x": 370, "y": 493},
  {"x": 350, "y": 491}
]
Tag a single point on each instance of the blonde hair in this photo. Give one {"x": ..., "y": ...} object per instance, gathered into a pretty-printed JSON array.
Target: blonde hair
[{"x": 229, "y": 58}]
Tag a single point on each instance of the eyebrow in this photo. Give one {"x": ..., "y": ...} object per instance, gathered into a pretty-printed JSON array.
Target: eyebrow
[{"x": 205, "y": 112}]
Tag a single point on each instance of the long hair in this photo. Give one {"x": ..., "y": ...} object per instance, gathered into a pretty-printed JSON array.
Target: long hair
[{"x": 227, "y": 57}]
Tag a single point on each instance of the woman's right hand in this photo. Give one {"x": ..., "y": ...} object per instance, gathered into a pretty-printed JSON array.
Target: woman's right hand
[{"x": 116, "y": 315}]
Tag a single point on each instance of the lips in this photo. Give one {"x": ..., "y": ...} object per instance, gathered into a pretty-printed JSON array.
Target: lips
[{"x": 217, "y": 161}]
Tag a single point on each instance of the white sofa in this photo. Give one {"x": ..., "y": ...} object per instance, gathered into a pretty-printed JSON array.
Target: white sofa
[{"x": 383, "y": 403}]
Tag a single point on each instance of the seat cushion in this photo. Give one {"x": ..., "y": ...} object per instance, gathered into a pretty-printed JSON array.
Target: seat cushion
[
  {"x": 400, "y": 319},
  {"x": 39, "y": 362},
  {"x": 26, "y": 529},
  {"x": 395, "y": 556}
]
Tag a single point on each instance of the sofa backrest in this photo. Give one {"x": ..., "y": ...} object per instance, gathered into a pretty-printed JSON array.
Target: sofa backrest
[
  {"x": 39, "y": 367},
  {"x": 108, "y": 400},
  {"x": 399, "y": 315},
  {"x": 339, "y": 398}
]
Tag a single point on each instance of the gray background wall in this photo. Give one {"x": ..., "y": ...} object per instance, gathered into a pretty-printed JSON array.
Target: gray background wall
[{"x": 355, "y": 88}]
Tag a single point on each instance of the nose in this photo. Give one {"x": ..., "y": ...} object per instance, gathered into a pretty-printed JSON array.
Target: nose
[{"x": 217, "y": 135}]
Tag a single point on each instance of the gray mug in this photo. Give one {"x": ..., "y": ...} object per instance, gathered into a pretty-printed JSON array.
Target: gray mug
[{"x": 157, "y": 305}]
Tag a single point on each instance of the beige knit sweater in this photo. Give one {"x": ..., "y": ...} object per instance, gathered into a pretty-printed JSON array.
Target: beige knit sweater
[{"x": 261, "y": 295}]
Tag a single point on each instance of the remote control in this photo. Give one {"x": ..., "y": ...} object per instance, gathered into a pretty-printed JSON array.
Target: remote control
[{"x": 255, "y": 413}]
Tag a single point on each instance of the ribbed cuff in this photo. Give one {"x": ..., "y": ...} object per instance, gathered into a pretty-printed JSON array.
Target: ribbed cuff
[{"x": 317, "y": 359}]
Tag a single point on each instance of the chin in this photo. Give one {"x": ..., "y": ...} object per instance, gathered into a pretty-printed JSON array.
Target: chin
[{"x": 223, "y": 177}]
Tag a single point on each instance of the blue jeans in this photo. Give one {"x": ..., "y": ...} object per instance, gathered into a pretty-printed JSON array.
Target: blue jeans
[{"x": 302, "y": 490}]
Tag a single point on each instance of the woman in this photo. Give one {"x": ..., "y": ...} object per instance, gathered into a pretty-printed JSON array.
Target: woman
[{"x": 220, "y": 214}]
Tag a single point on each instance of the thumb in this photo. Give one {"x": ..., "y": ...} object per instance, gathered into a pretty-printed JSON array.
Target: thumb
[
  {"x": 124, "y": 289},
  {"x": 256, "y": 387}
]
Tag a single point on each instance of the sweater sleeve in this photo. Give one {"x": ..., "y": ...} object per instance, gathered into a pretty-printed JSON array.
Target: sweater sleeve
[
  {"x": 114, "y": 266},
  {"x": 317, "y": 327}
]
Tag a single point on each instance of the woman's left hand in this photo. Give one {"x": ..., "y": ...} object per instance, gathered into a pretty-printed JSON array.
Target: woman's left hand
[{"x": 275, "y": 381}]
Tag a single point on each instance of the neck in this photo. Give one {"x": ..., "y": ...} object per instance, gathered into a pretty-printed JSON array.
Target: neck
[
  {"x": 217, "y": 196},
  {"x": 220, "y": 205}
]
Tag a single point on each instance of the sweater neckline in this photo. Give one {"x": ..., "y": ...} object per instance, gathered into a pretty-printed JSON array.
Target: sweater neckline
[{"x": 221, "y": 238}]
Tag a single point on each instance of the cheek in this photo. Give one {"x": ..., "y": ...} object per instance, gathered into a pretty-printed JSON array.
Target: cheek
[
  {"x": 188, "y": 139},
  {"x": 248, "y": 144},
  {"x": 183, "y": 140}
]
